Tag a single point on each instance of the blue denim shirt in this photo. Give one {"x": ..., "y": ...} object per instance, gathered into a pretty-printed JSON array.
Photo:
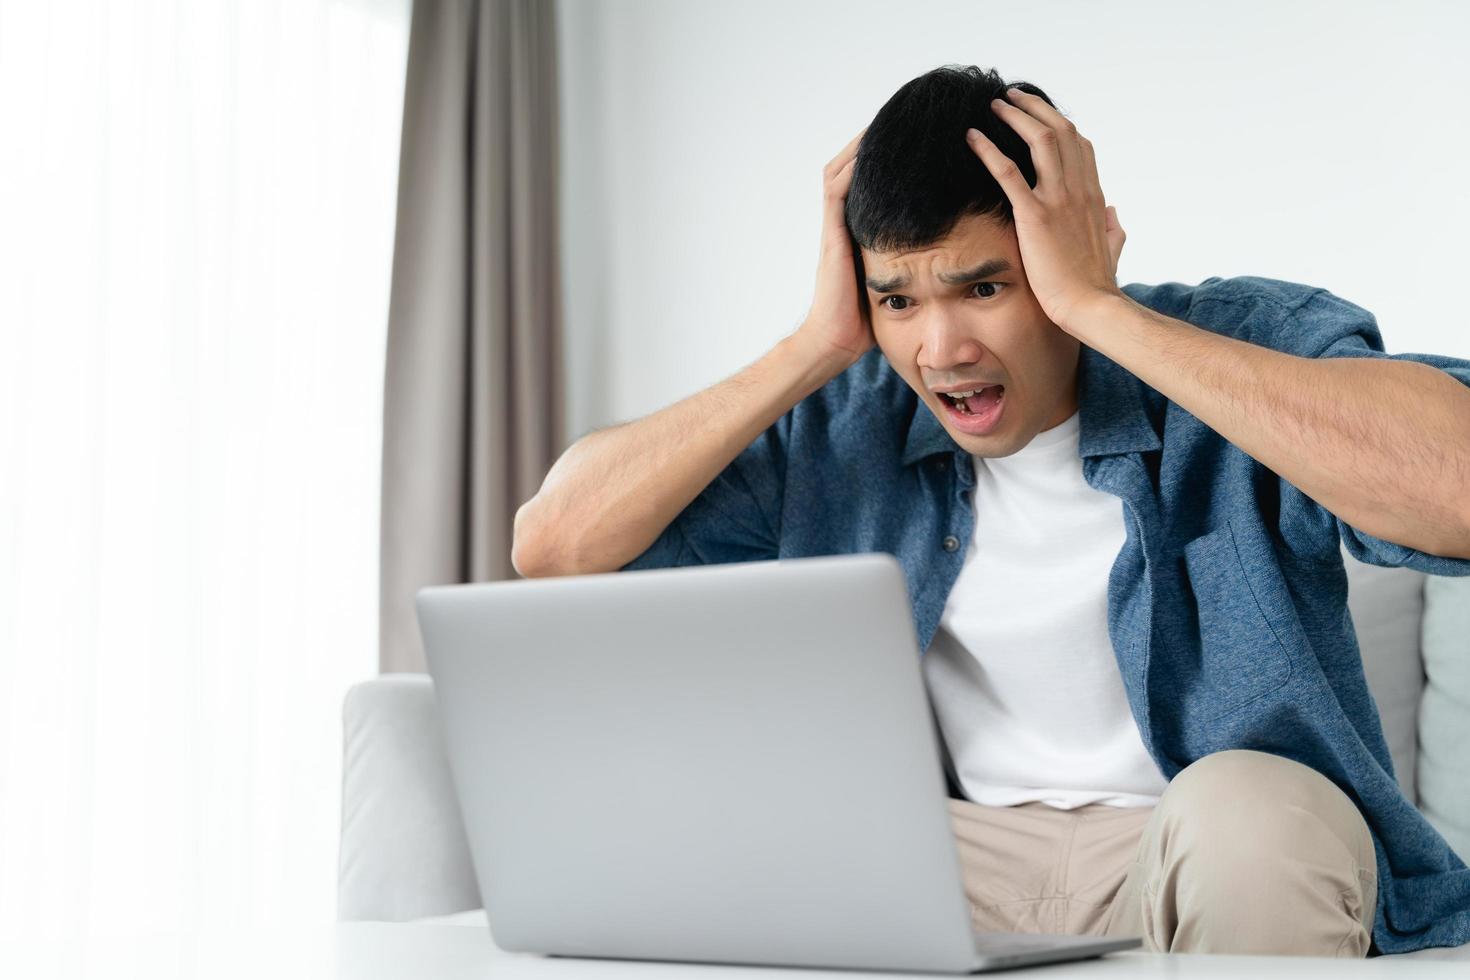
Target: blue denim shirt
[{"x": 1227, "y": 606}]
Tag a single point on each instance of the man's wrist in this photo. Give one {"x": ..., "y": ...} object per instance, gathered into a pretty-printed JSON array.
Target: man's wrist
[
  {"x": 823, "y": 361},
  {"x": 1085, "y": 314}
]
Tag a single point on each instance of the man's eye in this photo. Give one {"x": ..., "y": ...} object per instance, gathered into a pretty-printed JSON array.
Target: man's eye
[{"x": 994, "y": 287}]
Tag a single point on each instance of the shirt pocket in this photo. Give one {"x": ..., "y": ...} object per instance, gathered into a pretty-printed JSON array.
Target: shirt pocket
[{"x": 1243, "y": 655}]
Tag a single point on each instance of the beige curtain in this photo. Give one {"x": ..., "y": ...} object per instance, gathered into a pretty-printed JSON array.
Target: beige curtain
[{"x": 472, "y": 415}]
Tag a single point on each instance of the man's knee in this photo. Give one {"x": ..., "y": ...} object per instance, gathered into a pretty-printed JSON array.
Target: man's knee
[
  {"x": 1252, "y": 852},
  {"x": 1242, "y": 771},
  {"x": 1258, "y": 801}
]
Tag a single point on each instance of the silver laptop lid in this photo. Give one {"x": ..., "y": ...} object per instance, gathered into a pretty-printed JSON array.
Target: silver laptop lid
[{"x": 728, "y": 763}]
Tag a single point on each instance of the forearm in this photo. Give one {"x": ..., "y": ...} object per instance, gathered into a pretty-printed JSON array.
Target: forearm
[
  {"x": 614, "y": 491},
  {"x": 1383, "y": 445}
]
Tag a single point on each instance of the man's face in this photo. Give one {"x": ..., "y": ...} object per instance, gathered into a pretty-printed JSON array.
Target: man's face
[{"x": 959, "y": 315}]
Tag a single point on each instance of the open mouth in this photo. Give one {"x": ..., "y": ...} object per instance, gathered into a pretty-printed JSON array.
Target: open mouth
[{"x": 976, "y": 411}]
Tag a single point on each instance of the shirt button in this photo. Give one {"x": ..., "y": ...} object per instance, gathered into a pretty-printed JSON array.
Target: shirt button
[
  {"x": 951, "y": 543},
  {"x": 940, "y": 464}
]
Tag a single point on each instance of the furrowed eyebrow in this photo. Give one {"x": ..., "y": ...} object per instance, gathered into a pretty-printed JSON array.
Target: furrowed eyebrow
[{"x": 986, "y": 269}]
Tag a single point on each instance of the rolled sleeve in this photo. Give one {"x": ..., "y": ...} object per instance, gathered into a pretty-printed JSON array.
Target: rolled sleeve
[
  {"x": 736, "y": 518},
  {"x": 1329, "y": 326}
]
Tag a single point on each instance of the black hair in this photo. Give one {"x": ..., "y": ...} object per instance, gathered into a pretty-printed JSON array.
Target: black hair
[{"x": 916, "y": 176}]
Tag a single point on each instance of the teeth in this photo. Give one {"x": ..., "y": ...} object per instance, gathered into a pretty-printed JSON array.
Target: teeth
[{"x": 961, "y": 395}]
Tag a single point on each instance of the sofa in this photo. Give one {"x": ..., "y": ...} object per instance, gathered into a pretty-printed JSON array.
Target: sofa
[{"x": 404, "y": 855}]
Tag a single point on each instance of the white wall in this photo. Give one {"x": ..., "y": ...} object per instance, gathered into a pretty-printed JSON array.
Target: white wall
[{"x": 1315, "y": 142}]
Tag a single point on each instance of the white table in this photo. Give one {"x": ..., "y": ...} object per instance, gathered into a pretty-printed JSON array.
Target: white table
[{"x": 451, "y": 949}]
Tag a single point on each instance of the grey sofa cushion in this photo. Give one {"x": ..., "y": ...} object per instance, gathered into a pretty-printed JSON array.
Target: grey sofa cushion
[
  {"x": 1444, "y": 715},
  {"x": 1387, "y": 605}
]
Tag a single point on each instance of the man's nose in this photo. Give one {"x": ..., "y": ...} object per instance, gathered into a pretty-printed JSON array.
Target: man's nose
[{"x": 946, "y": 344}]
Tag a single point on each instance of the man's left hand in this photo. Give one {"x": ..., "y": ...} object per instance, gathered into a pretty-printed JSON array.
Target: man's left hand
[{"x": 1069, "y": 238}]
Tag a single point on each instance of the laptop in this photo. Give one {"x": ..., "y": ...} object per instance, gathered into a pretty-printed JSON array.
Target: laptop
[{"x": 731, "y": 763}]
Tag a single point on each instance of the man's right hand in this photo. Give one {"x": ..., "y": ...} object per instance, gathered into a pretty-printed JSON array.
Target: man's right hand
[{"x": 838, "y": 327}]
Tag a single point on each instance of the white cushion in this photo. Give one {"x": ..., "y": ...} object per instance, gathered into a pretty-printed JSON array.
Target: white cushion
[
  {"x": 1444, "y": 716},
  {"x": 404, "y": 854},
  {"x": 1387, "y": 605}
]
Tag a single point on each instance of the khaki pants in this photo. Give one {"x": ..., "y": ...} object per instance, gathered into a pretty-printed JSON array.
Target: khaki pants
[{"x": 1246, "y": 852}]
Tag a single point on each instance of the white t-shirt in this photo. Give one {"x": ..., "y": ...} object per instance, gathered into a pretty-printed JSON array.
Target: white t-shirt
[{"x": 1021, "y": 671}]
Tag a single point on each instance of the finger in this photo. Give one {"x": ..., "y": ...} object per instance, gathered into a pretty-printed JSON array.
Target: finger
[
  {"x": 1069, "y": 150},
  {"x": 1003, "y": 169},
  {"x": 1041, "y": 138},
  {"x": 836, "y": 181},
  {"x": 847, "y": 153},
  {"x": 1089, "y": 168},
  {"x": 835, "y": 203}
]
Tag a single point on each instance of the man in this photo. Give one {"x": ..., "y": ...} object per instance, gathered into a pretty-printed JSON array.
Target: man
[{"x": 1119, "y": 513}]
